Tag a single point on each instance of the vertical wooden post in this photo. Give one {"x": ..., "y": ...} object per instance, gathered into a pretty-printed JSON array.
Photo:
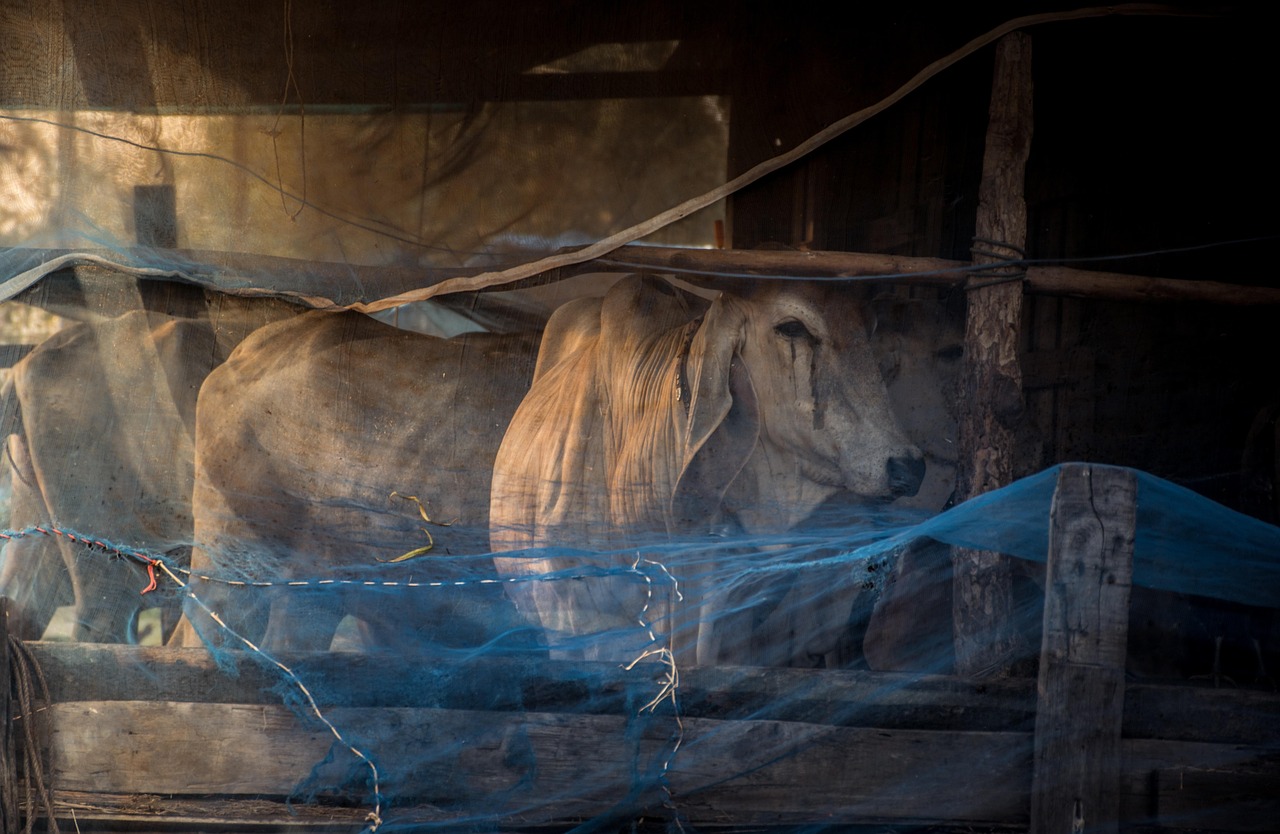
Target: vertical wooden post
[
  {"x": 9, "y": 804},
  {"x": 1075, "y": 785},
  {"x": 991, "y": 404}
]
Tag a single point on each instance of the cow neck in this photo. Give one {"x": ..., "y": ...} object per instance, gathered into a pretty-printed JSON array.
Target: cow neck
[{"x": 772, "y": 494}]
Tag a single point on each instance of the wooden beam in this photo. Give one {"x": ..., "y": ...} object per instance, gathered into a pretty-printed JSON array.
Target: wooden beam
[
  {"x": 991, "y": 384},
  {"x": 547, "y": 767},
  {"x": 761, "y": 746},
  {"x": 249, "y": 274},
  {"x": 100, "y": 672},
  {"x": 175, "y": 762},
  {"x": 104, "y": 672},
  {"x": 709, "y": 263},
  {"x": 1086, "y": 625},
  {"x": 1116, "y": 286}
]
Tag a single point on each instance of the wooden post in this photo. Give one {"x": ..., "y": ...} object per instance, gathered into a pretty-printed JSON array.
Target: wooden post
[
  {"x": 991, "y": 399},
  {"x": 9, "y": 804},
  {"x": 1075, "y": 785}
]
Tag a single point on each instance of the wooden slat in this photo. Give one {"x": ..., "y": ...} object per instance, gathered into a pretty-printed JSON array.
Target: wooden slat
[
  {"x": 101, "y": 672},
  {"x": 761, "y": 746},
  {"x": 1202, "y": 713},
  {"x": 1206, "y": 787},
  {"x": 136, "y": 760},
  {"x": 96, "y": 672},
  {"x": 100, "y": 811},
  {"x": 1040, "y": 341},
  {"x": 546, "y": 766},
  {"x": 1086, "y": 625}
]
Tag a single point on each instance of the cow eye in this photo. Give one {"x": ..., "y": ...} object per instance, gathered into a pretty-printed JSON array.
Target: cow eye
[{"x": 792, "y": 329}]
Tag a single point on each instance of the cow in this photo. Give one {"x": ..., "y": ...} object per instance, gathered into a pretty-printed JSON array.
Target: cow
[
  {"x": 99, "y": 443},
  {"x": 655, "y": 414},
  {"x": 331, "y": 444}
]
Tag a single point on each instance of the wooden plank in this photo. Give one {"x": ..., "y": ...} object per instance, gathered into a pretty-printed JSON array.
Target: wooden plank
[
  {"x": 101, "y": 672},
  {"x": 100, "y": 811},
  {"x": 123, "y": 760},
  {"x": 1086, "y": 624},
  {"x": 1057, "y": 368},
  {"x": 549, "y": 767},
  {"x": 773, "y": 746},
  {"x": 9, "y": 810},
  {"x": 991, "y": 384},
  {"x": 1205, "y": 787}
]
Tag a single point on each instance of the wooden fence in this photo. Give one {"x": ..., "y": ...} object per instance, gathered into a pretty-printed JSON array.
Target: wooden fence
[{"x": 165, "y": 739}]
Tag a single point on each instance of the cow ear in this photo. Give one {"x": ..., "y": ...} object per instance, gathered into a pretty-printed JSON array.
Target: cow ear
[{"x": 724, "y": 416}]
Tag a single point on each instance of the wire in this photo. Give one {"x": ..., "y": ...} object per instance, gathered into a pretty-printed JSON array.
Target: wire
[
  {"x": 239, "y": 166},
  {"x": 959, "y": 267}
]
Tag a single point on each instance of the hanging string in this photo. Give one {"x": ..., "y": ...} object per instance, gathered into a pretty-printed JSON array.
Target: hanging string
[{"x": 291, "y": 82}]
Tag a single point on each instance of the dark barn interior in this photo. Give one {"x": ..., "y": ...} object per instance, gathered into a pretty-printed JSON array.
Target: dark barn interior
[
  {"x": 407, "y": 148},
  {"x": 1151, "y": 156}
]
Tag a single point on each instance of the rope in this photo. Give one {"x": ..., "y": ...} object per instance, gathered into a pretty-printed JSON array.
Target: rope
[
  {"x": 1007, "y": 264},
  {"x": 29, "y": 687},
  {"x": 154, "y": 562},
  {"x": 9, "y": 794}
]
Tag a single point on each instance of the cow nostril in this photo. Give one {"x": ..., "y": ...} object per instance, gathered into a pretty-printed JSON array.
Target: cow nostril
[{"x": 905, "y": 474}]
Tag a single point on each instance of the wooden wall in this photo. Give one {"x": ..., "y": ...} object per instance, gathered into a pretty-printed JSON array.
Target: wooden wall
[{"x": 1149, "y": 137}]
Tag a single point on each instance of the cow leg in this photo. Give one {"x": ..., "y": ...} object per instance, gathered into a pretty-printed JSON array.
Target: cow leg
[
  {"x": 219, "y": 615},
  {"x": 33, "y": 575},
  {"x": 729, "y": 621},
  {"x": 910, "y": 625},
  {"x": 36, "y": 584},
  {"x": 302, "y": 620},
  {"x": 107, "y": 594},
  {"x": 170, "y": 603},
  {"x": 429, "y": 622}
]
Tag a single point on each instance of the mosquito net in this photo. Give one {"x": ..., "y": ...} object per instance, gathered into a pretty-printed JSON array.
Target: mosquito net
[{"x": 595, "y": 546}]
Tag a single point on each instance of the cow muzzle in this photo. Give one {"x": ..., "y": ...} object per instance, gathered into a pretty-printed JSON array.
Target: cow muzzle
[{"x": 905, "y": 473}]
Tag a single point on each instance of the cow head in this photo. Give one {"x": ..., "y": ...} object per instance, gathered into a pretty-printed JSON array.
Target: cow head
[{"x": 788, "y": 404}]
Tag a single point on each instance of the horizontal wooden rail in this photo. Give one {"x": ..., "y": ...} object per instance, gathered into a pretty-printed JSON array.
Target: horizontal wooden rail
[
  {"x": 318, "y": 283},
  {"x": 167, "y": 736}
]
